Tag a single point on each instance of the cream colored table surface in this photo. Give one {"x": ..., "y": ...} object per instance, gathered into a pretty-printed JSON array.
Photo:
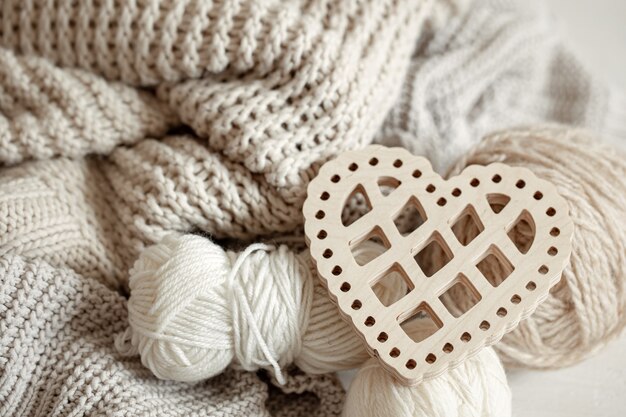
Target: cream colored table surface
[{"x": 596, "y": 31}]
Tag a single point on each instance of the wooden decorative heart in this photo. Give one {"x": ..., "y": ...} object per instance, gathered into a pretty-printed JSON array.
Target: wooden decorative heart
[{"x": 462, "y": 240}]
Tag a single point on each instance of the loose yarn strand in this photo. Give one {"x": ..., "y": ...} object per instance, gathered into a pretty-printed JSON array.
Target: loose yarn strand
[{"x": 242, "y": 301}]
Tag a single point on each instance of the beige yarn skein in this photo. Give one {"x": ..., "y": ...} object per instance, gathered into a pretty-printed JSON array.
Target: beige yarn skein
[
  {"x": 195, "y": 309},
  {"x": 586, "y": 309}
]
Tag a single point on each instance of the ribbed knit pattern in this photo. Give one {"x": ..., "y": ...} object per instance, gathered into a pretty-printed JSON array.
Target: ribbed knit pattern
[
  {"x": 500, "y": 65},
  {"x": 123, "y": 121},
  {"x": 127, "y": 121},
  {"x": 57, "y": 358},
  {"x": 47, "y": 112},
  {"x": 283, "y": 87}
]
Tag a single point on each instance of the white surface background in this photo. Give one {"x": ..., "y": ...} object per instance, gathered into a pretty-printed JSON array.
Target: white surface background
[{"x": 596, "y": 31}]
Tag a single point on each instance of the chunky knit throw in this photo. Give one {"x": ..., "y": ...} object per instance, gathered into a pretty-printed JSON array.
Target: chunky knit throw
[{"x": 124, "y": 121}]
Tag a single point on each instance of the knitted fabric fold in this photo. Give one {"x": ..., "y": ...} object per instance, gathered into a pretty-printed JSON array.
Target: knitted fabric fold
[
  {"x": 127, "y": 121},
  {"x": 500, "y": 65},
  {"x": 57, "y": 358},
  {"x": 47, "y": 112},
  {"x": 95, "y": 215}
]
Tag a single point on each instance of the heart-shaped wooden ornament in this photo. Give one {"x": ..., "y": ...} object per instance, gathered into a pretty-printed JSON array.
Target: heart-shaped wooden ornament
[{"x": 463, "y": 238}]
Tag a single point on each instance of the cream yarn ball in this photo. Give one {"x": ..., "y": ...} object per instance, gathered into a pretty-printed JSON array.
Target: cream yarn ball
[
  {"x": 195, "y": 309},
  {"x": 587, "y": 308},
  {"x": 476, "y": 388}
]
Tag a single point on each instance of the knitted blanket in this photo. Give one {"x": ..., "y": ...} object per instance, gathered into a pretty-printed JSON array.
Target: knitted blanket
[{"x": 121, "y": 122}]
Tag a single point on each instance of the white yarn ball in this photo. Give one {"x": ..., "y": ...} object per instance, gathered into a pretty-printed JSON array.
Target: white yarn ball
[
  {"x": 477, "y": 388},
  {"x": 194, "y": 309}
]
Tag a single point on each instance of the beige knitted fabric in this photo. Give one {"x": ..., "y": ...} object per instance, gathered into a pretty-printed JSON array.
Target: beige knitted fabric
[
  {"x": 276, "y": 86},
  {"x": 500, "y": 65},
  {"x": 57, "y": 358},
  {"x": 123, "y": 121},
  {"x": 46, "y": 111},
  {"x": 270, "y": 89}
]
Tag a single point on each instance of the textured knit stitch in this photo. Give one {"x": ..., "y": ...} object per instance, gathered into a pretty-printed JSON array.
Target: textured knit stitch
[
  {"x": 57, "y": 358},
  {"x": 277, "y": 86},
  {"x": 305, "y": 83},
  {"x": 46, "y": 111},
  {"x": 206, "y": 116},
  {"x": 498, "y": 66}
]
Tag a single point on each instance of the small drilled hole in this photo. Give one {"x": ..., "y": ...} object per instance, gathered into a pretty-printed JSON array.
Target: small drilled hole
[
  {"x": 369, "y": 322},
  {"x": 520, "y": 184},
  {"x": 394, "y": 353},
  {"x": 501, "y": 312},
  {"x": 538, "y": 195},
  {"x": 543, "y": 270},
  {"x": 555, "y": 231},
  {"x": 325, "y": 196},
  {"x": 320, "y": 214},
  {"x": 475, "y": 182},
  {"x": 496, "y": 178},
  {"x": 411, "y": 364},
  {"x": 353, "y": 167},
  {"x": 551, "y": 211},
  {"x": 448, "y": 348},
  {"x": 431, "y": 358},
  {"x": 397, "y": 163},
  {"x": 374, "y": 161},
  {"x": 345, "y": 287},
  {"x": 553, "y": 251},
  {"x": 466, "y": 337},
  {"x": 336, "y": 270},
  {"x": 431, "y": 188},
  {"x": 335, "y": 178},
  {"x": 417, "y": 173},
  {"x": 327, "y": 253},
  {"x": 516, "y": 299},
  {"x": 382, "y": 337},
  {"x": 456, "y": 192},
  {"x": 484, "y": 325},
  {"x": 322, "y": 234},
  {"x": 441, "y": 202},
  {"x": 356, "y": 305},
  {"x": 531, "y": 286}
]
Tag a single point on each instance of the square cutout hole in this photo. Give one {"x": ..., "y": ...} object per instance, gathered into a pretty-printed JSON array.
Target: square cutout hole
[
  {"x": 374, "y": 244},
  {"x": 460, "y": 297},
  {"x": 392, "y": 286},
  {"x": 434, "y": 256},
  {"x": 410, "y": 217},
  {"x": 498, "y": 202},
  {"x": 467, "y": 226},
  {"x": 420, "y": 323},
  {"x": 387, "y": 185},
  {"x": 522, "y": 233},
  {"x": 495, "y": 266},
  {"x": 356, "y": 206}
]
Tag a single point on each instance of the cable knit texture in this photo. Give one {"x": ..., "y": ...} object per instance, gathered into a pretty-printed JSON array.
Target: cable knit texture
[
  {"x": 500, "y": 65},
  {"x": 124, "y": 121},
  {"x": 121, "y": 122},
  {"x": 270, "y": 89}
]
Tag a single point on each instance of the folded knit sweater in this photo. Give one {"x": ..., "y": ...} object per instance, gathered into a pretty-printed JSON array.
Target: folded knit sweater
[{"x": 121, "y": 122}]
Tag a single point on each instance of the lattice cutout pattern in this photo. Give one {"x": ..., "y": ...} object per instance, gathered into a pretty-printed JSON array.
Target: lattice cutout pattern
[{"x": 468, "y": 232}]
